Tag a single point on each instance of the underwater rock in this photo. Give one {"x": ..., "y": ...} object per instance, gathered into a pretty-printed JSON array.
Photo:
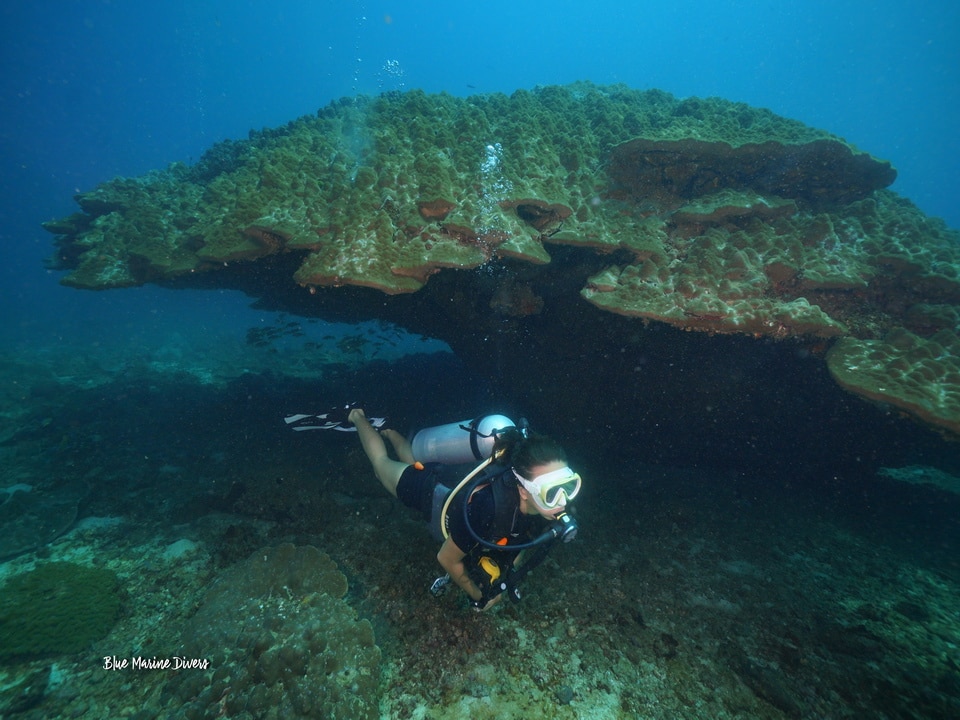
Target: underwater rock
[
  {"x": 30, "y": 520},
  {"x": 922, "y": 475},
  {"x": 706, "y": 215},
  {"x": 281, "y": 642},
  {"x": 25, "y": 692},
  {"x": 765, "y": 682}
]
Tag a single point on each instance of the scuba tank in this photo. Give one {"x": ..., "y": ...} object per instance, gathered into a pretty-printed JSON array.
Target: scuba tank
[{"x": 462, "y": 442}]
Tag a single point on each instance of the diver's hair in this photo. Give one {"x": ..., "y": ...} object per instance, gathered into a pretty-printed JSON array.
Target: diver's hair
[{"x": 526, "y": 453}]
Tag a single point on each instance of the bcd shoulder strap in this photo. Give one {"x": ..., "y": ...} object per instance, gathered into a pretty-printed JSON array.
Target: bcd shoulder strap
[{"x": 505, "y": 502}]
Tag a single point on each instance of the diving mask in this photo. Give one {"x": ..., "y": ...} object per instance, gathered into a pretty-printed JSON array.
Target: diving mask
[{"x": 553, "y": 489}]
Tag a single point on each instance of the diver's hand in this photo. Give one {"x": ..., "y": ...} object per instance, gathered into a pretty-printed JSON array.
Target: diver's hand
[{"x": 481, "y": 606}]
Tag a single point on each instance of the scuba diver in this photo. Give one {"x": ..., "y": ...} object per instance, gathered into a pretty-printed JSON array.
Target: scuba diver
[{"x": 501, "y": 520}]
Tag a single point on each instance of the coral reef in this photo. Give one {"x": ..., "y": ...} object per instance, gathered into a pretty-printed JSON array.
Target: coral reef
[
  {"x": 55, "y": 609},
  {"x": 385, "y": 192},
  {"x": 703, "y": 214},
  {"x": 918, "y": 375},
  {"x": 281, "y": 642},
  {"x": 767, "y": 590}
]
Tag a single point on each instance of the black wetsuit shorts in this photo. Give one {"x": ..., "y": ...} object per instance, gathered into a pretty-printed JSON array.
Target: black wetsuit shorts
[
  {"x": 425, "y": 492},
  {"x": 415, "y": 488}
]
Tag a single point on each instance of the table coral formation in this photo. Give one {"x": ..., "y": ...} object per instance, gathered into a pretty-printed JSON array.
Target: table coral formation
[
  {"x": 921, "y": 376},
  {"x": 701, "y": 213}
]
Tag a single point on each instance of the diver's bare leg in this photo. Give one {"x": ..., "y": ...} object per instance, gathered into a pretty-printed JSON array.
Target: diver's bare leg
[
  {"x": 400, "y": 445},
  {"x": 387, "y": 470}
]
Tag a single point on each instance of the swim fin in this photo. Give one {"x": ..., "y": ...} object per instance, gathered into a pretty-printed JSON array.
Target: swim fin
[{"x": 334, "y": 419}]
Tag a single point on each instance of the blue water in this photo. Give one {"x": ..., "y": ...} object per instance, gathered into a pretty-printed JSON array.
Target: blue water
[
  {"x": 723, "y": 566},
  {"x": 94, "y": 89}
]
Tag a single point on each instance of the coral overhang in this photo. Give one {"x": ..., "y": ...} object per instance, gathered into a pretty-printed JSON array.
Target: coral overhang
[{"x": 704, "y": 214}]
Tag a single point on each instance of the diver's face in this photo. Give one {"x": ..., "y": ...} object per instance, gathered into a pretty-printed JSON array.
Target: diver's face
[{"x": 531, "y": 507}]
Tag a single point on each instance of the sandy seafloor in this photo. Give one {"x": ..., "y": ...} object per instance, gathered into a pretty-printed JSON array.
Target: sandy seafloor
[{"x": 690, "y": 593}]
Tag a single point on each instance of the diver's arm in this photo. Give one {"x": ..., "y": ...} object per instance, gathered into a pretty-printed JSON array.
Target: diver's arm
[{"x": 450, "y": 558}]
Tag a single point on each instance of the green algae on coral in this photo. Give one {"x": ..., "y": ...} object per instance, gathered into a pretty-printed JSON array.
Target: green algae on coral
[
  {"x": 56, "y": 609},
  {"x": 920, "y": 376},
  {"x": 354, "y": 189}
]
